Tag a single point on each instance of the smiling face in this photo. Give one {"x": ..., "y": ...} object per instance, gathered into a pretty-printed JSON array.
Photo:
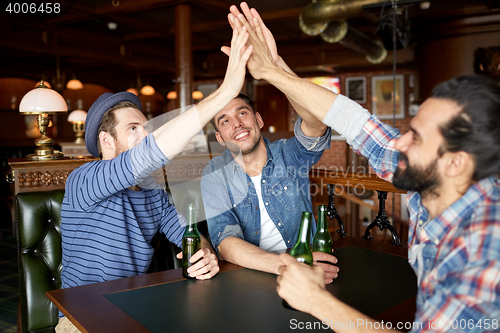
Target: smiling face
[
  {"x": 419, "y": 167},
  {"x": 238, "y": 127},
  {"x": 129, "y": 130}
]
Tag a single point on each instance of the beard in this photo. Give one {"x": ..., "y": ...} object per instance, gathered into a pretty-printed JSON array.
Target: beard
[
  {"x": 119, "y": 148},
  {"x": 424, "y": 180},
  {"x": 235, "y": 149}
]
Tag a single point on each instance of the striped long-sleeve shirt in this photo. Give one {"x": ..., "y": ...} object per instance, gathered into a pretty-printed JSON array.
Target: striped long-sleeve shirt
[
  {"x": 456, "y": 255},
  {"x": 106, "y": 228}
]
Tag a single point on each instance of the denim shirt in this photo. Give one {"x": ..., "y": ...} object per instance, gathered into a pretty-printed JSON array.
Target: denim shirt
[{"x": 231, "y": 202}]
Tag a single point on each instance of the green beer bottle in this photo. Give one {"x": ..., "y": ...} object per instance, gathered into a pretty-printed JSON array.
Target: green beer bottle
[
  {"x": 301, "y": 250},
  {"x": 322, "y": 241},
  {"x": 191, "y": 241}
]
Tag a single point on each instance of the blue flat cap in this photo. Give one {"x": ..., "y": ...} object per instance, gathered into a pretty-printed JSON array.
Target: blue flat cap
[{"x": 105, "y": 102}]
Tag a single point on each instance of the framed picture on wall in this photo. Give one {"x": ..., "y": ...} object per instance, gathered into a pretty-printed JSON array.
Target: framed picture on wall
[
  {"x": 355, "y": 88},
  {"x": 384, "y": 94}
]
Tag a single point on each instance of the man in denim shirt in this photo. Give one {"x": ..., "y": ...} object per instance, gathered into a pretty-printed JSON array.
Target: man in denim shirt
[{"x": 255, "y": 192}]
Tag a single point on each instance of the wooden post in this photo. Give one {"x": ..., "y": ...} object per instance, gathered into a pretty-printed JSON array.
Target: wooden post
[{"x": 183, "y": 55}]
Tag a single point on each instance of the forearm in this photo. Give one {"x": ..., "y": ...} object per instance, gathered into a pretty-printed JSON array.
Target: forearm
[
  {"x": 306, "y": 95},
  {"x": 242, "y": 253},
  {"x": 311, "y": 126},
  {"x": 172, "y": 137},
  {"x": 341, "y": 317},
  {"x": 176, "y": 134},
  {"x": 205, "y": 244}
]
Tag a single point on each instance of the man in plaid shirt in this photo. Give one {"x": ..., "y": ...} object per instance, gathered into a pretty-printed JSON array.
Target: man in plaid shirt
[{"x": 448, "y": 162}]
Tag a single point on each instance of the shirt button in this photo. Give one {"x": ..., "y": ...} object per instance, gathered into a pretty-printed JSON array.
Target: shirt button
[
  {"x": 234, "y": 205},
  {"x": 256, "y": 232},
  {"x": 249, "y": 184},
  {"x": 288, "y": 241},
  {"x": 436, "y": 242},
  {"x": 256, "y": 207},
  {"x": 285, "y": 188},
  {"x": 263, "y": 180},
  {"x": 267, "y": 203},
  {"x": 279, "y": 224},
  {"x": 420, "y": 222}
]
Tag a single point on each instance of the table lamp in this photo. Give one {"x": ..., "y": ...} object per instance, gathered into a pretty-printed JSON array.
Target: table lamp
[
  {"x": 77, "y": 118},
  {"x": 43, "y": 101}
]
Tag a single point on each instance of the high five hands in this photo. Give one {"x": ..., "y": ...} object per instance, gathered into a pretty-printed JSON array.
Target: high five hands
[{"x": 264, "y": 52}]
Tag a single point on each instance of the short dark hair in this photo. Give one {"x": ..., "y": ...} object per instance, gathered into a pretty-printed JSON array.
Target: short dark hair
[
  {"x": 476, "y": 128},
  {"x": 108, "y": 121},
  {"x": 245, "y": 99}
]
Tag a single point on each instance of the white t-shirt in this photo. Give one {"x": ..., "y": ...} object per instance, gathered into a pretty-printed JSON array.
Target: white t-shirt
[{"x": 270, "y": 237}]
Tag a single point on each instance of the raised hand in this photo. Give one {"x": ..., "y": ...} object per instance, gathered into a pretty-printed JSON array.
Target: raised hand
[
  {"x": 238, "y": 58},
  {"x": 261, "y": 58},
  {"x": 254, "y": 19}
]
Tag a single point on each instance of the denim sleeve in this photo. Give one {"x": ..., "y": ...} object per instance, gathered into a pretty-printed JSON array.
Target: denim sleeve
[
  {"x": 221, "y": 220},
  {"x": 301, "y": 158},
  {"x": 319, "y": 143}
]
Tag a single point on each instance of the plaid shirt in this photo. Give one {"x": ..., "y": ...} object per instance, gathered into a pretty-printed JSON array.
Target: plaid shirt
[{"x": 455, "y": 255}]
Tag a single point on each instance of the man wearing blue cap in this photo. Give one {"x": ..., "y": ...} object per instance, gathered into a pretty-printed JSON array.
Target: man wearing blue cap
[{"x": 112, "y": 208}]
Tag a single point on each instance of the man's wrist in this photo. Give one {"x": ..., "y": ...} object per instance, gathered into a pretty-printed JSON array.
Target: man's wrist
[
  {"x": 272, "y": 71},
  {"x": 322, "y": 300}
]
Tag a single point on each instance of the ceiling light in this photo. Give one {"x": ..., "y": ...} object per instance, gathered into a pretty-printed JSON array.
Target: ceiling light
[
  {"x": 197, "y": 95},
  {"x": 147, "y": 90}
]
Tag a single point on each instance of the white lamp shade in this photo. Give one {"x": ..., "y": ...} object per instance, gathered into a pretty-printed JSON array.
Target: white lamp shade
[
  {"x": 77, "y": 116},
  {"x": 42, "y": 101},
  {"x": 74, "y": 84},
  {"x": 148, "y": 90}
]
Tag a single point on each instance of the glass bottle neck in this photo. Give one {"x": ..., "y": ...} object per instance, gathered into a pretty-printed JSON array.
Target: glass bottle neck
[
  {"x": 322, "y": 220},
  {"x": 191, "y": 220},
  {"x": 304, "y": 231}
]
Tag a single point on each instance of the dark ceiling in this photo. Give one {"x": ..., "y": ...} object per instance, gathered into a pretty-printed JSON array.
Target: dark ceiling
[{"x": 143, "y": 41}]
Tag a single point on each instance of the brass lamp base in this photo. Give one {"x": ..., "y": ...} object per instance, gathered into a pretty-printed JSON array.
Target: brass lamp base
[
  {"x": 45, "y": 150},
  {"x": 56, "y": 155}
]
